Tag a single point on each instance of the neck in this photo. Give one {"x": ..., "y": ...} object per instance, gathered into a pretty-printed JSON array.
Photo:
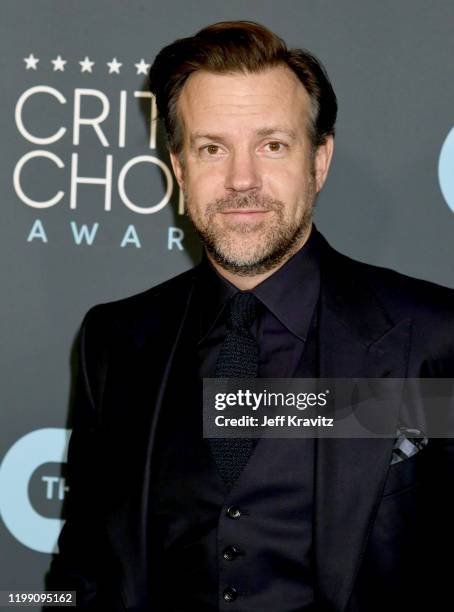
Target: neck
[{"x": 245, "y": 283}]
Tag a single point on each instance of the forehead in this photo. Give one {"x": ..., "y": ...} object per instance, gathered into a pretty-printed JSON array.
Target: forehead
[{"x": 243, "y": 100}]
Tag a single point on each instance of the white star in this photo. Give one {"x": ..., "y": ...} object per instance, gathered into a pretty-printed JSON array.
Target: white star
[
  {"x": 59, "y": 64},
  {"x": 142, "y": 67},
  {"x": 31, "y": 62},
  {"x": 114, "y": 66},
  {"x": 86, "y": 65}
]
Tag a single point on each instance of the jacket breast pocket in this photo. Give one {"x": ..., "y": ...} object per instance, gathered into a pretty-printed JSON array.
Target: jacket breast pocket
[{"x": 404, "y": 474}]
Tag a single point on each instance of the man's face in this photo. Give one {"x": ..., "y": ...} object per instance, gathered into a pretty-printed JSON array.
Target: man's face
[{"x": 246, "y": 168}]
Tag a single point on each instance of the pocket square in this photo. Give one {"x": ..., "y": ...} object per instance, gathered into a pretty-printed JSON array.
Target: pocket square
[{"x": 407, "y": 443}]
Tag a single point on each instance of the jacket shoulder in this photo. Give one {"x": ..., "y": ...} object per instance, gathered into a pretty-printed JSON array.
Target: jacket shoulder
[
  {"x": 406, "y": 294},
  {"x": 401, "y": 293},
  {"x": 143, "y": 314},
  {"x": 158, "y": 296}
]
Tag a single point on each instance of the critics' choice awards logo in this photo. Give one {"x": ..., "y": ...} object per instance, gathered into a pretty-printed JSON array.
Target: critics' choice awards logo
[
  {"x": 45, "y": 149},
  {"x": 446, "y": 169},
  {"x": 33, "y": 487}
]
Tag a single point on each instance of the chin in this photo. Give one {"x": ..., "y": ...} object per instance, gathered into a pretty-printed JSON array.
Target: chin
[
  {"x": 242, "y": 256},
  {"x": 242, "y": 262}
]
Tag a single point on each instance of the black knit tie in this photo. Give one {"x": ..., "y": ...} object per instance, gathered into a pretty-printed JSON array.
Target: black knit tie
[{"x": 238, "y": 358}]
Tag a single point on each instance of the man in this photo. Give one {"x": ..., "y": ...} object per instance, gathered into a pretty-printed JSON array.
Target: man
[{"x": 160, "y": 518}]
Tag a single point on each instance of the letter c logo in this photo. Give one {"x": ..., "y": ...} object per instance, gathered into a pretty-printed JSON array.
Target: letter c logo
[{"x": 28, "y": 453}]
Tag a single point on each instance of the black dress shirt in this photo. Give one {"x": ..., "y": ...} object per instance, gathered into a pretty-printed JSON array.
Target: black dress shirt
[{"x": 287, "y": 299}]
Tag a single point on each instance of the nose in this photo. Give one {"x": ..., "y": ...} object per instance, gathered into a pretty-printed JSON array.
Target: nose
[{"x": 243, "y": 173}]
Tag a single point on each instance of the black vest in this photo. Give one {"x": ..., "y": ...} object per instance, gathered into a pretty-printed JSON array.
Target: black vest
[{"x": 248, "y": 550}]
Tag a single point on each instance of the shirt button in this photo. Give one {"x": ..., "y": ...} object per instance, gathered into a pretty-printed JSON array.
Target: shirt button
[
  {"x": 233, "y": 512},
  {"x": 230, "y": 594},
  {"x": 230, "y": 553}
]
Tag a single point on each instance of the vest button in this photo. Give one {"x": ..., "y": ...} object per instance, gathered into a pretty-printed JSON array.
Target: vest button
[
  {"x": 230, "y": 553},
  {"x": 233, "y": 512},
  {"x": 230, "y": 594}
]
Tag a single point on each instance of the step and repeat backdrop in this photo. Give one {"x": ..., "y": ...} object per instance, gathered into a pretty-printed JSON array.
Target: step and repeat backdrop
[{"x": 90, "y": 211}]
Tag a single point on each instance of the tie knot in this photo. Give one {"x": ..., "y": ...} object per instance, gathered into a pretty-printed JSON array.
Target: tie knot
[{"x": 243, "y": 310}]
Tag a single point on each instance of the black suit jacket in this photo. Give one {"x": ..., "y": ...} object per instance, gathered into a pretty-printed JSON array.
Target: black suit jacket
[{"x": 380, "y": 530}]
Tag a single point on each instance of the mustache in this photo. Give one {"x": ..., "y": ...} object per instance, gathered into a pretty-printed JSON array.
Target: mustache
[{"x": 240, "y": 201}]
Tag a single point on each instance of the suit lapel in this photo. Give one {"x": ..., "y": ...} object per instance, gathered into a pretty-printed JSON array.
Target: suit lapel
[
  {"x": 149, "y": 369},
  {"x": 356, "y": 339}
]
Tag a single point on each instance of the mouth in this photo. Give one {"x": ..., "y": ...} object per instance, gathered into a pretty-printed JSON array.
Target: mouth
[{"x": 245, "y": 213}]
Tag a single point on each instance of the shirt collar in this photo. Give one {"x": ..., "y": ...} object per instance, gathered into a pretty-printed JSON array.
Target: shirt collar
[
  {"x": 213, "y": 292},
  {"x": 290, "y": 293}
]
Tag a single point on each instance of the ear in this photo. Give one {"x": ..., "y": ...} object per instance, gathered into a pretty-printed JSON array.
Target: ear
[
  {"x": 178, "y": 169},
  {"x": 322, "y": 162}
]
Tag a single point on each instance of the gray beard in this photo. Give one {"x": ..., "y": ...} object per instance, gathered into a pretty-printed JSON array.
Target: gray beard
[{"x": 283, "y": 241}]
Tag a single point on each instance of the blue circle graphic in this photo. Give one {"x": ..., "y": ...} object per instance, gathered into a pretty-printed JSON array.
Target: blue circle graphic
[
  {"x": 21, "y": 460},
  {"x": 446, "y": 169}
]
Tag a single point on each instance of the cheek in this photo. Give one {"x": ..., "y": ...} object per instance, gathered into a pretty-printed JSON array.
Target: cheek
[
  {"x": 198, "y": 195},
  {"x": 287, "y": 185},
  {"x": 204, "y": 185}
]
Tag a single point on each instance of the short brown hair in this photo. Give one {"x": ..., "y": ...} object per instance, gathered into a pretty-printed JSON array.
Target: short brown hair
[{"x": 238, "y": 46}]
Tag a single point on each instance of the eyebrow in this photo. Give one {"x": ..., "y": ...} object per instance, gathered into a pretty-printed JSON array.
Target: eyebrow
[
  {"x": 200, "y": 135},
  {"x": 269, "y": 131},
  {"x": 262, "y": 132}
]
